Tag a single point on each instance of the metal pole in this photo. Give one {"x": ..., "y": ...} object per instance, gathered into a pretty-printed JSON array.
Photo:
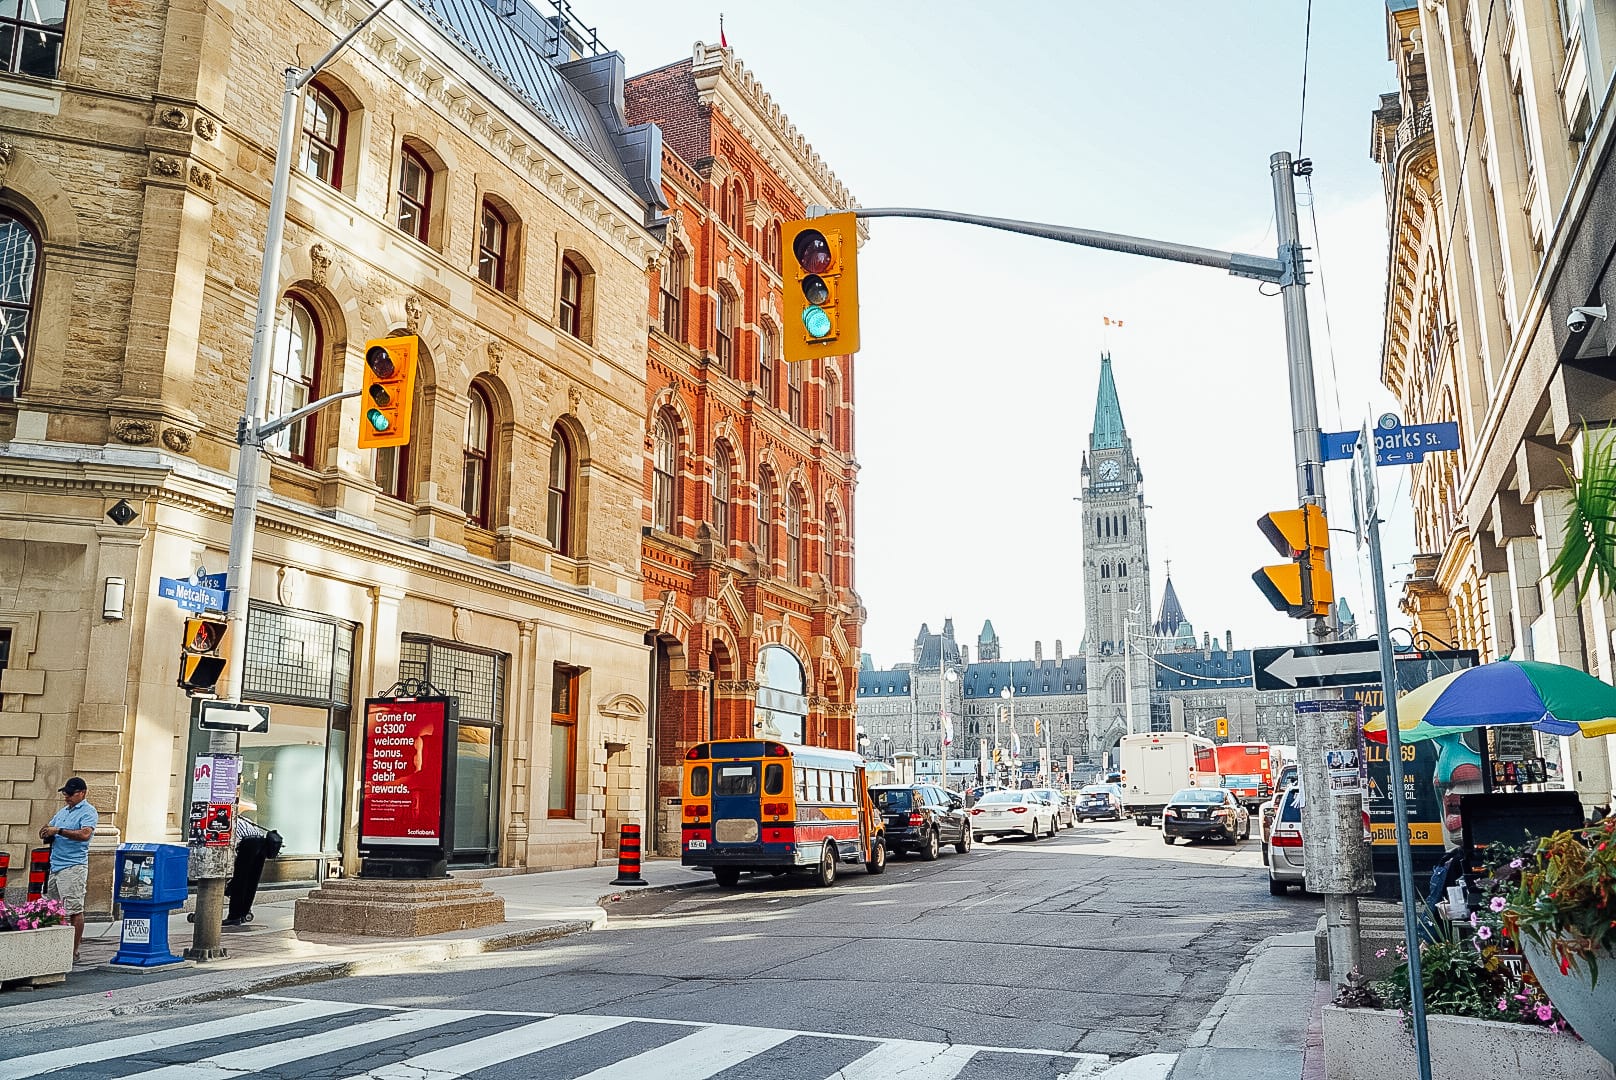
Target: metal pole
[{"x": 1394, "y": 753}]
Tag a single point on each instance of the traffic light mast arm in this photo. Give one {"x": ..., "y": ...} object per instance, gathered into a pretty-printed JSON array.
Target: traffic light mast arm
[{"x": 270, "y": 428}]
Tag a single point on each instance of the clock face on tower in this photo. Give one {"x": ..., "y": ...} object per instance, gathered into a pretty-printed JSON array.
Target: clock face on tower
[{"x": 1109, "y": 471}]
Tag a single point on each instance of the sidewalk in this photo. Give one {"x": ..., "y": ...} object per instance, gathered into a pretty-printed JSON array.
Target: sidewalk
[
  {"x": 1268, "y": 1023},
  {"x": 265, "y": 954}
]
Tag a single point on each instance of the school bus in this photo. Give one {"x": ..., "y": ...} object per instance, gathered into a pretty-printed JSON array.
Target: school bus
[{"x": 756, "y": 805}]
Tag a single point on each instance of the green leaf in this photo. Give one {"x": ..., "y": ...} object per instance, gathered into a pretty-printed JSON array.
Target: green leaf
[{"x": 1589, "y": 550}]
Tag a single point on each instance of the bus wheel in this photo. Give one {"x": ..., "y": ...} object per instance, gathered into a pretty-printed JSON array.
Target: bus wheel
[
  {"x": 827, "y": 865},
  {"x": 728, "y": 876},
  {"x": 877, "y": 862}
]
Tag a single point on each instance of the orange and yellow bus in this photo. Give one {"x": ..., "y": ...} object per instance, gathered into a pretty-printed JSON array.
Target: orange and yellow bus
[{"x": 756, "y": 805}]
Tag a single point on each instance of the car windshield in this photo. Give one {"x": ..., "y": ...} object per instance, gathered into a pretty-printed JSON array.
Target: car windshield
[
  {"x": 1096, "y": 789},
  {"x": 1192, "y": 796},
  {"x": 1002, "y": 797},
  {"x": 894, "y": 798},
  {"x": 1046, "y": 794}
]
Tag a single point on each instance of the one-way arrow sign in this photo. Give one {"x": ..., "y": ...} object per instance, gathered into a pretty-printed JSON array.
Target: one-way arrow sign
[{"x": 1338, "y": 663}]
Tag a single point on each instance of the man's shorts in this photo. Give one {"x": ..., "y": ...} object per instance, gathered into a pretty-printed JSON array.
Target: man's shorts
[{"x": 68, "y": 886}]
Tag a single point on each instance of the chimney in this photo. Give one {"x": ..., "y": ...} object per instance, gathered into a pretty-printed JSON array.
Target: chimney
[
  {"x": 965, "y": 656},
  {"x": 1228, "y": 641},
  {"x": 1038, "y": 652},
  {"x": 1057, "y": 650},
  {"x": 1206, "y": 644}
]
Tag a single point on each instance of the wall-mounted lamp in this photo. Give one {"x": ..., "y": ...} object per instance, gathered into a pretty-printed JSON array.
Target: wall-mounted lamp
[{"x": 112, "y": 598}]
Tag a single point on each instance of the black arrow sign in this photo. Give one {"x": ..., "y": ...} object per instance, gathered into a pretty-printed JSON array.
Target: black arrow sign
[{"x": 1336, "y": 663}]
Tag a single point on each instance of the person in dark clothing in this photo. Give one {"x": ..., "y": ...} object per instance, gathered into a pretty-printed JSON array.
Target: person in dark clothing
[{"x": 252, "y": 845}]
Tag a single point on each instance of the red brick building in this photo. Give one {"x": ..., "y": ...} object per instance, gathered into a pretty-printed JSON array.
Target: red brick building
[{"x": 747, "y": 549}]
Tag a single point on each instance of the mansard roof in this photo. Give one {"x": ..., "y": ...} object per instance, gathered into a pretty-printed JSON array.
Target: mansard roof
[
  {"x": 1197, "y": 671},
  {"x": 1109, "y": 432},
  {"x": 883, "y": 683},
  {"x": 1030, "y": 678}
]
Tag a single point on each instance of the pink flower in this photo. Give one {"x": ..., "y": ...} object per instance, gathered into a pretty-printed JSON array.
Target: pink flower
[
  {"x": 1545, "y": 1013},
  {"x": 1484, "y": 932},
  {"x": 1516, "y": 864},
  {"x": 1473, "y": 919},
  {"x": 1497, "y": 903},
  {"x": 1503, "y": 1005},
  {"x": 1380, "y": 954}
]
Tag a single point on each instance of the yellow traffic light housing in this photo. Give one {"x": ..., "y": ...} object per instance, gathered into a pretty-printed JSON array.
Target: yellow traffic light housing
[
  {"x": 1221, "y": 725},
  {"x": 1302, "y": 588},
  {"x": 388, "y": 397},
  {"x": 821, "y": 291},
  {"x": 202, "y": 659}
]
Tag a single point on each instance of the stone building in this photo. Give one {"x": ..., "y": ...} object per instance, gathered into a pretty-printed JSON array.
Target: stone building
[
  {"x": 1496, "y": 150},
  {"x": 747, "y": 546},
  {"x": 492, "y": 198}
]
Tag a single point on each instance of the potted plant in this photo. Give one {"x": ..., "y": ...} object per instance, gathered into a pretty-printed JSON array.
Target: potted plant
[
  {"x": 1562, "y": 909},
  {"x": 36, "y": 942}
]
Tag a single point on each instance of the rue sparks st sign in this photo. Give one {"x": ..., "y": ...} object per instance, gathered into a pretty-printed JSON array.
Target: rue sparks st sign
[{"x": 1394, "y": 445}]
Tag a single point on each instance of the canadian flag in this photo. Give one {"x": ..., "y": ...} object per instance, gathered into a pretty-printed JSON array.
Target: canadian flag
[{"x": 1109, "y": 321}]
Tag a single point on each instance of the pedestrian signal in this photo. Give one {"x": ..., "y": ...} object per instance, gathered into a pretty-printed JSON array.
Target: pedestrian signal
[
  {"x": 821, "y": 302},
  {"x": 1222, "y": 727},
  {"x": 1302, "y": 588},
  {"x": 202, "y": 661},
  {"x": 389, "y": 392}
]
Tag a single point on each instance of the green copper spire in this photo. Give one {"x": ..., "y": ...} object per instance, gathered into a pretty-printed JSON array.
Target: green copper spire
[{"x": 1109, "y": 430}]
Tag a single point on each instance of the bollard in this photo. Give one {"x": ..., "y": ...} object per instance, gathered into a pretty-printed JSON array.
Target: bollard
[
  {"x": 38, "y": 871},
  {"x": 628, "y": 857}
]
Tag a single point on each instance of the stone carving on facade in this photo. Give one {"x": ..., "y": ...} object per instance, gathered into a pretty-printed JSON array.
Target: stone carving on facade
[
  {"x": 201, "y": 178},
  {"x": 412, "y": 312},
  {"x": 667, "y": 618},
  {"x": 205, "y": 129},
  {"x": 163, "y": 165},
  {"x": 462, "y": 624},
  {"x": 319, "y": 263},
  {"x": 737, "y": 687},
  {"x": 288, "y": 580},
  {"x": 177, "y": 440},
  {"x": 173, "y": 117},
  {"x": 575, "y": 398},
  {"x": 496, "y": 353},
  {"x": 134, "y": 432},
  {"x": 8, "y": 151}
]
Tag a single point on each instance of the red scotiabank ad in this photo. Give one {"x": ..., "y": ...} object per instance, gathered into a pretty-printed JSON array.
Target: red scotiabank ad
[{"x": 403, "y": 773}]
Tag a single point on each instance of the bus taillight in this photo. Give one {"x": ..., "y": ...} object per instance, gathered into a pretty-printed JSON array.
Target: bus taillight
[
  {"x": 695, "y": 810},
  {"x": 776, "y": 809}
]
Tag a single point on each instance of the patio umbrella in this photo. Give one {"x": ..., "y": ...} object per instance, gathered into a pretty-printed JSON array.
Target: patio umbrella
[{"x": 1554, "y": 698}]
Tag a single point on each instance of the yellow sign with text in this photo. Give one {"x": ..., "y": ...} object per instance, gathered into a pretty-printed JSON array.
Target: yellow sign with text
[{"x": 1419, "y": 832}]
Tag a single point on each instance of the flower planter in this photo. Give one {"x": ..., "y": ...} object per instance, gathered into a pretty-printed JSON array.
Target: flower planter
[
  {"x": 40, "y": 956},
  {"x": 1372, "y": 1044},
  {"x": 1589, "y": 1009}
]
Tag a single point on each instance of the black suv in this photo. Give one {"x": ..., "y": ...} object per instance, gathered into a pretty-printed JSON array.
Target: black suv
[{"x": 922, "y": 818}]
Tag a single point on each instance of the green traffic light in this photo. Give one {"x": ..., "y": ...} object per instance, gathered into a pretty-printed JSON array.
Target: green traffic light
[
  {"x": 377, "y": 420},
  {"x": 816, "y": 322}
]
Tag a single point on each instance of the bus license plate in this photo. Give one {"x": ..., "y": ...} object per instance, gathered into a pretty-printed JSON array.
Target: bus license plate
[{"x": 697, "y": 845}]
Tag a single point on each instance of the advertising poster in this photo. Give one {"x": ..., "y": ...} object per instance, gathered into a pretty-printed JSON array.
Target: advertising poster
[
  {"x": 1342, "y": 766},
  {"x": 402, "y": 772}
]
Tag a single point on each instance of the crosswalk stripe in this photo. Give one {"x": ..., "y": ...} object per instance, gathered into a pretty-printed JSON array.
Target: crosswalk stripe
[
  {"x": 906, "y": 1059},
  {"x": 53, "y": 1060},
  {"x": 273, "y": 1055},
  {"x": 453, "y": 1062},
  {"x": 703, "y": 1053}
]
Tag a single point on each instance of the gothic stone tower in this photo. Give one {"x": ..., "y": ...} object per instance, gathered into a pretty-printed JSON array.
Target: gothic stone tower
[{"x": 1116, "y": 577}]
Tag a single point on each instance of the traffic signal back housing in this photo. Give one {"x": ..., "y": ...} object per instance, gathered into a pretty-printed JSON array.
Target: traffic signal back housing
[
  {"x": 820, "y": 257},
  {"x": 388, "y": 397},
  {"x": 1302, "y": 588},
  {"x": 202, "y": 660}
]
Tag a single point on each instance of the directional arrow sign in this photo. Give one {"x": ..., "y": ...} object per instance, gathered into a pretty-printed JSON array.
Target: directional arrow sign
[{"x": 1338, "y": 663}]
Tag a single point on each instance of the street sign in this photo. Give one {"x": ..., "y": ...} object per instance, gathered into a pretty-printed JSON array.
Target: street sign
[
  {"x": 1400, "y": 445},
  {"x": 1335, "y": 663},
  {"x": 213, "y": 581},
  {"x": 192, "y": 597},
  {"x": 230, "y": 716}
]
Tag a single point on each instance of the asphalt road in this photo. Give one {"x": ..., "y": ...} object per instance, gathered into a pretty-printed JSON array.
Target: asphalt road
[{"x": 1042, "y": 960}]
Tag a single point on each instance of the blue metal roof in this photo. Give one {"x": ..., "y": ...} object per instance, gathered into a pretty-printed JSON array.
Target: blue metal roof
[
  {"x": 883, "y": 683},
  {"x": 1031, "y": 679},
  {"x": 1196, "y": 671},
  {"x": 1109, "y": 431}
]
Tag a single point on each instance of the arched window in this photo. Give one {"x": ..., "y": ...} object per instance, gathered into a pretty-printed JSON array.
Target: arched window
[
  {"x": 672, "y": 293},
  {"x": 664, "y": 473},
  {"x": 782, "y": 696},
  {"x": 737, "y": 209},
  {"x": 765, "y": 521},
  {"x": 1105, "y": 570},
  {"x": 1115, "y": 689},
  {"x": 294, "y": 372},
  {"x": 491, "y": 241},
  {"x": 723, "y": 476},
  {"x": 768, "y": 351},
  {"x": 572, "y": 297},
  {"x": 478, "y": 458},
  {"x": 828, "y": 394},
  {"x": 794, "y": 391},
  {"x": 724, "y": 328},
  {"x": 414, "y": 193},
  {"x": 31, "y": 34},
  {"x": 558, "y": 503},
  {"x": 794, "y": 536},
  {"x": 1125, "y": 525},
  {"x": 771, "y": 245},
  {"x": 830, "y": 546},
  {"x": 325, "y": 131},
  {"x": 1122, "y": 569},
  {"x": 19, "y": 270}
]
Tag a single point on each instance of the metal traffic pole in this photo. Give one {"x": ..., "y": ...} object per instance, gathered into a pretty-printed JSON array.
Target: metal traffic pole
[{"x": 210, "y": 866}]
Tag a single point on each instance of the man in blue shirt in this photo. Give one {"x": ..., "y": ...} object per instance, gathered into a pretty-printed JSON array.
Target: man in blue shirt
[{"x": 69, "y": 835}]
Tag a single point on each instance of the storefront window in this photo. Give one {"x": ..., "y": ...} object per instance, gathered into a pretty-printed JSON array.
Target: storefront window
[
  {"x": 564, "y": 742},
  {"x": 782, "y": 701}
]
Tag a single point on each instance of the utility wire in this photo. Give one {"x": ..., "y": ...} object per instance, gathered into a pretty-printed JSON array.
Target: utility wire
[
  {"x": 1470, "y": 126},
  {"x": 1307, "y": 43}
]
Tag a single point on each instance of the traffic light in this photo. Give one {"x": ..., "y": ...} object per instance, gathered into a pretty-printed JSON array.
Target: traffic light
[
  {"x": 201, "y": 655},
  {"x": 389, "y": 393},
  {"x": 1302, "y": 587},
  {"x": 1221, "y": 725},
  {"x": 821, "y": 301}
]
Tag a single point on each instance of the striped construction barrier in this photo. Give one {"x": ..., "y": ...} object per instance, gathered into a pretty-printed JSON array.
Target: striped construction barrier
[
  {"x": 628, "y": 857},
  {"x": 38, "y": 871}
]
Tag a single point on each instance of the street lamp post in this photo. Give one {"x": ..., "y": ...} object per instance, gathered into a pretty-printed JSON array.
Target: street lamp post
[
  {"x": 945, "y": 734},
  {"x": 1009, "y": 696}
]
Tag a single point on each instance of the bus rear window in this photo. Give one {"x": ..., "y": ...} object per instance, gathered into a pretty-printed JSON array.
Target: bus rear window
[
  {"x": 698, "y": 781},
  {"x": 774, "y": 778},
  {"x": 736, "y": 780}
]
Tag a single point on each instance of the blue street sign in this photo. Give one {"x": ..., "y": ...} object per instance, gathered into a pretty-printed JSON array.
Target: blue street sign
[
  {"x": 192, "y": 597},
  {"x": 1401, "y": 445},
  {"x": 213, "y": 581}
]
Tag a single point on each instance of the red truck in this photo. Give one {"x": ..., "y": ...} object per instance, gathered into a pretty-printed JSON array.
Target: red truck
[{"x": 1245, "y": 768}]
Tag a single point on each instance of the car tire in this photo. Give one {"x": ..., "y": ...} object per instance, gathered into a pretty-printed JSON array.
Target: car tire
[
  {"x": 1265, "y": 854},
  {"x": 964, "y": 845},
  {"x": 976, "y": 838},
  {"x": 1167, "y": 839},
  {"x": 1233, "y": 836},
  {"x": 1034, "y": 834},
  {"x": 1277, "y": 887},
  {"x": 931, "y": 847},
  {"x": 728, "y": 876},
  {"x": 825, "y": 876},
  {"x": 877, "y": 862}
]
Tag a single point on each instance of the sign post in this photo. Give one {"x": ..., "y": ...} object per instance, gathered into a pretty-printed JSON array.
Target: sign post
[{"x": 407, "y": 785}]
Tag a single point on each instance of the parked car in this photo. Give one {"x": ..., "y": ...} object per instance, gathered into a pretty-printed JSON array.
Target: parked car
[
  {"x": 1001, "y": 813},
  {"x": 1197, "y": 812},
  {"x": 1270, "y": 811},
  {"x": 922, "y": 818},
  {"x": 1285, "y": 845},
  {"x": 1099, "y": 801},
  {"x": 1064, "y": 818}
]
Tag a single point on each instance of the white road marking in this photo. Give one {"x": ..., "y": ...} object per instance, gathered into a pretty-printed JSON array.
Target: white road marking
[
  {"x": 904, "y": 1059},
  {"x": 703, "y": 1053},
  {"x": 453, "y": 1062}
]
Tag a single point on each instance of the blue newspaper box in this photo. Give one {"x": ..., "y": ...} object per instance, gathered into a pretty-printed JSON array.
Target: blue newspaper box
[{"x": 151, "y": 882}]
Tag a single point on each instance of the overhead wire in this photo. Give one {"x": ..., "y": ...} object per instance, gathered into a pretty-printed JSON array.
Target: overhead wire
[{"x": 1470, "y": 127}]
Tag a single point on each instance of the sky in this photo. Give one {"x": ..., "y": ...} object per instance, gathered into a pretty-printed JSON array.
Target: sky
[{"x": 976, "y": 379}]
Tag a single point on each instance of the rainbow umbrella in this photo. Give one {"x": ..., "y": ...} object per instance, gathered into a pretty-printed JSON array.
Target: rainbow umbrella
[{"x": 1554, "y": 698}]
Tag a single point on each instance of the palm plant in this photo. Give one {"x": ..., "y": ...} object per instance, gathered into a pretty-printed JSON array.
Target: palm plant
[{"x": 1589, "y": 552}]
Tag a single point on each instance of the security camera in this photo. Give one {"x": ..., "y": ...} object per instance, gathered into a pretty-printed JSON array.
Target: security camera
[{"x": 1577, "y": 321}]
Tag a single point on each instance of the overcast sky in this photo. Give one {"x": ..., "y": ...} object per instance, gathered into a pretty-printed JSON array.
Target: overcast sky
[{"x": 975, "y": 384}]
